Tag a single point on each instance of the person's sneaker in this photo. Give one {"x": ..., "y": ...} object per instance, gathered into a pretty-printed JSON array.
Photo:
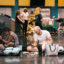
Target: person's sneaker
[
  {"x": 33, "y": 53},
  {"x": 25, "y": 52},
  {"x": 36, "y": 53}
]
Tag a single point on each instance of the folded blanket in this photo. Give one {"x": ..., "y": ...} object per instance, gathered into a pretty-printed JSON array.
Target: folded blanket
[
  {"x": 7, "y": 52},
  {"x": 12, "y": 50},
  {"x": 15, "y": 50},
  {"x": 9, "y": 48}
]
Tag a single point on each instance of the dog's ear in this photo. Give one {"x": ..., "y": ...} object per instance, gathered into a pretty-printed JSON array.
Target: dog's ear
[{"x": 30, "y": 38}]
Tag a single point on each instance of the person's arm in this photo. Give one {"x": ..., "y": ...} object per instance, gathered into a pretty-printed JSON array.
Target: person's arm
[
  {"x": 12, "y": 19},
  {"x": 56, "y": 19},
  {"x": 0, "y": 37},
  {"x": 9, "y": 39},
  {"x": 49, "y": 37},
  {"x": 28, "y": 16},
  {"x": 40, "y": 17},
  {"x": 50, "y": 40},
  {"x": 20, "y": 19},
  {"x": 35, "y": 44},
  {"x": 35, "y": 40}
]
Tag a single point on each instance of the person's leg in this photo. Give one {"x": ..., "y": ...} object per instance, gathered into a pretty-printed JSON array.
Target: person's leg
[
  {"x": 23, "y": 28},
  {"x": 17, "y": 28},
  {"x": 10, "y": 44},
  {"x": 39, "y": 49},
  {"x": 26, "y": 24},
  {"x": 41, "y": 26},
  {"x": 32, "y": 49},
  {"x": 2, "y": 46}
]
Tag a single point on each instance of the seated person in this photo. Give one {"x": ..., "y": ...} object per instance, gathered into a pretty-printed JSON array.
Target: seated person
[
  {"x": 1, "y": 44},
  {"x": 8, "y": 38},
  {"x": 39, "y": 37},
  {"x": 60, "y": 22}
]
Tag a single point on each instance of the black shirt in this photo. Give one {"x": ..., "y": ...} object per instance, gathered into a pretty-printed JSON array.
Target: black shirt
[
  {"x": 60, "y": 20},
  {"x": 38, "y": 18}
]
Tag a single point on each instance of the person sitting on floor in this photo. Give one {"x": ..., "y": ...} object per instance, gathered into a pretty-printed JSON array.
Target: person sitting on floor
[
  {"x": 8, "y": 38},
  {"x": 60, "y": 22}
]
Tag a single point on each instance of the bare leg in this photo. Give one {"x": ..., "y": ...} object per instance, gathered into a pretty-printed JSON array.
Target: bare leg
[
  {"x": 32, "y": 49},
  {"x": 59, "y": 26},
  {"x": 10, "y": 44},
  {"x": 2, "y": 46}
]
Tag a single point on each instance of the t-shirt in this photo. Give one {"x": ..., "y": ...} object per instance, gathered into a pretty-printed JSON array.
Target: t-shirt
[
  {"x": 15, "y": 37},
  {"x": 25, "y": 15},
  {"x": 43, "y": 37}
]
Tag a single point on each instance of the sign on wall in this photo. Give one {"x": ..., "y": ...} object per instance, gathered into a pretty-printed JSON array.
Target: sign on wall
[
  {"x": 24, "y": 2},
  {"x": 49, "y": 2},
  {"x": 60, "y": 3},
  {"x": 7, "y": 2}
]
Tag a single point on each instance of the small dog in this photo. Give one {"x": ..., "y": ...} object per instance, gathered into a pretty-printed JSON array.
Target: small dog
[{"x": 30, "y": 39}]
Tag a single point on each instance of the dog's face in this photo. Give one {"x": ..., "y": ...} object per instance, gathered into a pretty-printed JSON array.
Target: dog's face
[{"x": 30, "y": 39}]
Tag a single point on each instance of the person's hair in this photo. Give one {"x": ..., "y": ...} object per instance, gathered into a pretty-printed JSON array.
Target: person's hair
[
  {"x": 37, "y": 11},
  {"x": 32, "y": 11},
  {"x": 36, "y": 28},
  {"x": 17, "y": 12},
  {"x": 6, "y": 29},
  {"x": 30, "y": 39},
  {"x": 25, "y": 9},
  {"x": 54, "y": 17}
]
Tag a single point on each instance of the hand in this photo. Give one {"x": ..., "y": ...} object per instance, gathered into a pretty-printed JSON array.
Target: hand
[
  {"x": 23, "y": 21},
  {"x": 52, "y": 43},
  {"x": 0, "y": 37},
  {"x": 41, "y": 20},
  {"x": 13, "y": 19},
  {"x": 34, "y": 45}
]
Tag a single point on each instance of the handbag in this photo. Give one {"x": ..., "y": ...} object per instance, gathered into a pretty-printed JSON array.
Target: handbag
[{"x": 51, "y": 49}]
